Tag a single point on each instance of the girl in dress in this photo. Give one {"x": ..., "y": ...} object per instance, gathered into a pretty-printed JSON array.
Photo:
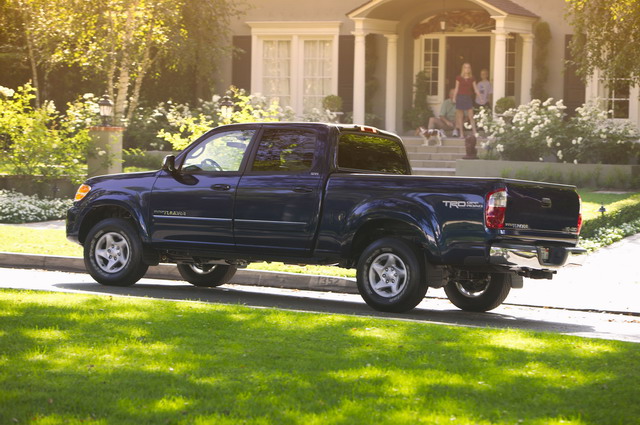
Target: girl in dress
[{"x": 465, "y": 88}]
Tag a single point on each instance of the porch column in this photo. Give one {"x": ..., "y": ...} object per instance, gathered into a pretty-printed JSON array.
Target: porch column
[
  {"x": 358, "y": 78},
  {"x": 527, "y": 68},
  {"x": 499, "y": 64},
  {"x": 391, "y": 83}
]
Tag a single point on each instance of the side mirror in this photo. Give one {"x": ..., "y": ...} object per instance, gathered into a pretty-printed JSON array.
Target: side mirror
[{"x": 169, "y": 164}]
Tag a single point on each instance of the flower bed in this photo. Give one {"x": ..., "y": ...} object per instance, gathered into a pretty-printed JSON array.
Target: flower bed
[
  {"x": 540, "y": 131},
  {"x": 18, "y": 208}
]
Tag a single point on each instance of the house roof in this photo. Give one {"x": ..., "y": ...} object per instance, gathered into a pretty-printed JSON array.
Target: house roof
[
  {"x": 511, "y": 8},
  {"x": 506, "y": 6}
]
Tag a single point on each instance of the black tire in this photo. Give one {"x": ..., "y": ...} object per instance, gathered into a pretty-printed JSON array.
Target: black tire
[
  {"x": 479, "y": 296},
  {"x": 113, "y": 253},
  {"x": 207, "y": 276},
  {"x": 390, "y": 276}
]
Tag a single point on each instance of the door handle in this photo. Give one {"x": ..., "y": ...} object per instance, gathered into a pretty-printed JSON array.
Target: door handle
[
  {"x": 222, "y": 187},
  {"x": 302, "y": 189}
]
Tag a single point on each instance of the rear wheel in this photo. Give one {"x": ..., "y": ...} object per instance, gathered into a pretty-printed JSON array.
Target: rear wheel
[
  {"x": 390, "y": 276},
  {"x": 207, "y": 275},
  {"x": 113, "y": 253},
  {"x": 479, "y": 294}
]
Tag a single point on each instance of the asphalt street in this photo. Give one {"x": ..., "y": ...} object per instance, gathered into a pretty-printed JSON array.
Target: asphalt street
[{"x": 578, "y": 322}]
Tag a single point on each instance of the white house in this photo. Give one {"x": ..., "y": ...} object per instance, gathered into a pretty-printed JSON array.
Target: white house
[{"x": 370, "y": 52}]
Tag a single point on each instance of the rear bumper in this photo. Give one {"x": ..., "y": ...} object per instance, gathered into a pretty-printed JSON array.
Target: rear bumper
[{"x": 535, "y": 257}]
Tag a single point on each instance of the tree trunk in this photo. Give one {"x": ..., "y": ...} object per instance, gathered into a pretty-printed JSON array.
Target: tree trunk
[
  {"x": 125, "y": 64},
  {"x": 142, "y": 71},
  {"x": 34, "y": 67}
]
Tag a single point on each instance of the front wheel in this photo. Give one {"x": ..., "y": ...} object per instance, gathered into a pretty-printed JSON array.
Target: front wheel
[
  {"x": 479, "y": 295},
  {"x": 113, "y": 253},
  {"x": 390, "y": 276},
  {"x": 207, "y": 275}
]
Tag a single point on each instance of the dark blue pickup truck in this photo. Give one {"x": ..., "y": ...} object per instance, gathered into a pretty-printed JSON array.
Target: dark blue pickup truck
[{"x": 310, "y": 193}]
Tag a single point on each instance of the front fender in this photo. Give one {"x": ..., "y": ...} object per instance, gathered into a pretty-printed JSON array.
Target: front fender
[{"x": 94, "y": 210}]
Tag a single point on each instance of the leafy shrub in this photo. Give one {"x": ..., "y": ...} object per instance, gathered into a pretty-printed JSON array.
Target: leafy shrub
[
  {"x": 41, "y": 141},
  {"x": 18, "y": 208},
  {"x": 504, "y": 104},
  {"x": 539, "y": 131},
  {"x": 332, "y": 102},
  {"x": 612, "y": 226},
  {"x": 186, "y": 124},
  {"x": 420, "y": 113},
  {"x": 141, "y": 160},
  {"x": 142, "y": 131}
]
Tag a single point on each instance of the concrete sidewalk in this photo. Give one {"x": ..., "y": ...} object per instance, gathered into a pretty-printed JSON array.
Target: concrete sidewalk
[{"x": 608, "y": 280}]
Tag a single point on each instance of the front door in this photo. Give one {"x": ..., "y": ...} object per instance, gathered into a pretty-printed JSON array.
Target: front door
[
  {"x": 194, "y": 206},
  {"x": 474, "y": 50}
]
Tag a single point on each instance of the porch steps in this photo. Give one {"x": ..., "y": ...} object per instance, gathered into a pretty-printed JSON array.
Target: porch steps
[{"x": 434, "y": 160}]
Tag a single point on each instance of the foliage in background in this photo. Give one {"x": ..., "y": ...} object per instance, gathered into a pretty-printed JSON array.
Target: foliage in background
[
  {"x": 606, "y": 38},
  {"x": 332, "y": 102},
  {"x": 539, "y": 131},
  {"x": 40, "y": 141},
  {"x": 504, "y": 104},
  {"x": 542, "y": 36},
  {"x": 187, "y": 125},
  {"x": 18, "y": 208},
  {"x": 122, "y": 40},
  {"x": 420, "y": 113}
]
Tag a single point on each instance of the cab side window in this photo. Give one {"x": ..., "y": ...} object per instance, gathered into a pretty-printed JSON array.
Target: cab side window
[
  {"x": 222, "y": 152},
  {"x": 290, "y": 150}
]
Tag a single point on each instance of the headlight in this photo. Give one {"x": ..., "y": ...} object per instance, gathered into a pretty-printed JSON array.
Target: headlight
[{"x": 82, "y": 192}]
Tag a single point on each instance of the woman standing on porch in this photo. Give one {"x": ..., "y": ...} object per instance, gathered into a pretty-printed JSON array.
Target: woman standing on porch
[{"x": 465, "y": 88}]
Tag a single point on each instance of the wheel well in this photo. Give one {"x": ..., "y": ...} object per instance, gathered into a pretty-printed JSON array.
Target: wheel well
[
  {"x": 377, "y": 229},
  {"x": 100, "y": 213}
]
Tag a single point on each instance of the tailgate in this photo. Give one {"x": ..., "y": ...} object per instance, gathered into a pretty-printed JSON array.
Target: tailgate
[{"x": 542, "y": 207}]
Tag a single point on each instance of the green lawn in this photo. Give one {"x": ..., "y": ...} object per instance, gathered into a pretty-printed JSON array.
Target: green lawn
[
  {"x": 71, "y": 359},
  {"x": 591, "y": 202}
]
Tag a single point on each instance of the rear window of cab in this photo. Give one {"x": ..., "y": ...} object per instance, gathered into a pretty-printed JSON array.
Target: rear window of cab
[{"x": 371, "y": 152}]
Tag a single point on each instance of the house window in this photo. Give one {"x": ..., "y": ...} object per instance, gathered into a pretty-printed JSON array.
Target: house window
[
  {"x": 431, "y": 60},
  {"x": 317, "y": 73},
  {"x": 510, "y": 71},
  {"x": 276, "y": 66},
  {"x": 616, "y": 94},
  {"x": 295, "y": 62}
]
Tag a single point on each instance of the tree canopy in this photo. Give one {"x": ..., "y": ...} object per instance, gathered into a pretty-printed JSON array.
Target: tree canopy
[
  {"x": 119, "y": 42},
  {"x": 607, "y": 37}
]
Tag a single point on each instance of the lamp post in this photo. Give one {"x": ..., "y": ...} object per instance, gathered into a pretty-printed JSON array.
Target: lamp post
[
  {"x": 105, "y": 149},
  {"x": 106, "y": 110},
  {"x": 226, "y": 109}
]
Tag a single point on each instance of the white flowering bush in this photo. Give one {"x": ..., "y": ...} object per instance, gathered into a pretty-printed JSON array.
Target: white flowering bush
[
  {"x": 540, "y": 130},
  {"x": 187, "y": 124},
  {"x": 320, "y": 115},
  {"x": 526, "y": 133},
  {"x": 18, "y": 208},
  {"x": 42, "y": 141},
  {"x": 594, "y": 138}
]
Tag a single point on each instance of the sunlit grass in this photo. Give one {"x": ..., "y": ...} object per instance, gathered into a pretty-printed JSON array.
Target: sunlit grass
[
  {"x": 592, "y": 201},
  {"x": 75, "y": 358}
]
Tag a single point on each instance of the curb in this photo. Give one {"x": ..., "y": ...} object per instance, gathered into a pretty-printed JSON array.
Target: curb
[{"x": 170, "y": 272}]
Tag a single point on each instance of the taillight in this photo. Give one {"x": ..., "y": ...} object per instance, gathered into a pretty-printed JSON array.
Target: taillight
[
  {"x": 579, "y": 226},
  {"x": 495, "y": 208},
  {"x": 579, "y": 222}
]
